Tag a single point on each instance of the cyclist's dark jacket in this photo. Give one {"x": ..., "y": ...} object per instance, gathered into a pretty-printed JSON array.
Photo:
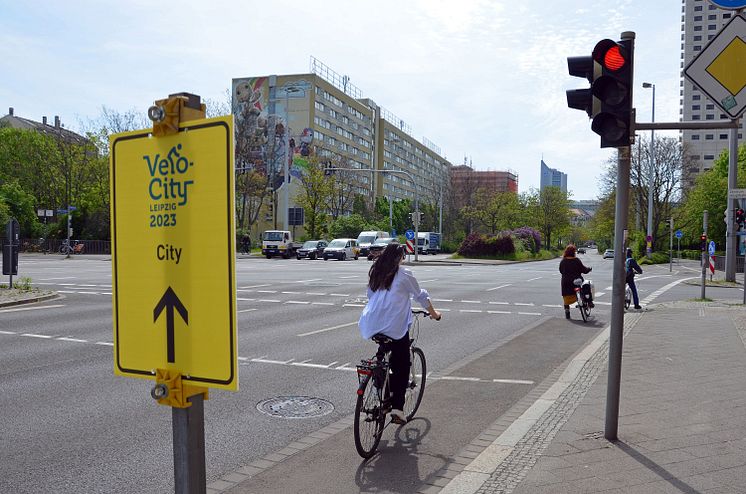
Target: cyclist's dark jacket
[{"x": 571, "y": 269}]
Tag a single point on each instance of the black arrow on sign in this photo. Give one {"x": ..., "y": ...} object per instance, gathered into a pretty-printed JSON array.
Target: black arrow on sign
[{"x": 170, "y": 301}]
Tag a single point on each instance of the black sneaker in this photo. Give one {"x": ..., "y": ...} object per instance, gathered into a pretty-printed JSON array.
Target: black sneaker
[
  {"x": 638, "y": 307},
  {"x": 567, "y": 314}
]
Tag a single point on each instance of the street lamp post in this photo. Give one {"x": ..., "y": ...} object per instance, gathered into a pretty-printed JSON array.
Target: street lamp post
[
  {"x": 649, "y": 244},
  {"x": 286, "y": 185}
]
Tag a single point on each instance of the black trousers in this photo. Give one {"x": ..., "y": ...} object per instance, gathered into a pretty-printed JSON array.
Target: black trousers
[{"x": 400, "y": 362}]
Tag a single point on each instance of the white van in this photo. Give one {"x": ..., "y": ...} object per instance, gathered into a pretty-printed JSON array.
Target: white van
[
  {"x": 342, "y": 249},
  {"x": 366, "y": 239}
]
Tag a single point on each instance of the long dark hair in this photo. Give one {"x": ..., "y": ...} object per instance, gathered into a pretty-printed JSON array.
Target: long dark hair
[{"x": 383, "y": 270}]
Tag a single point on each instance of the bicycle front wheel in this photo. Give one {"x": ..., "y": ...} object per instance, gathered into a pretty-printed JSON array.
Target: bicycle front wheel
[
  {"x": 586, "y": 311},
  {"x": 627, "y": 298},
  {"x": 416, "y": 384},
  {"x": 582, "y": 306},
  {"x": 369, "y": 420}
]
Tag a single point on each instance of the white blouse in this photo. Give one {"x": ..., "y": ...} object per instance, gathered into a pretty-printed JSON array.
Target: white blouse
[{"x": 390, "y": 311}]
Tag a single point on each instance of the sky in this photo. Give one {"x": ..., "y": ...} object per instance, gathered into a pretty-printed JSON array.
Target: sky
[{"x": 484, "y": 80}]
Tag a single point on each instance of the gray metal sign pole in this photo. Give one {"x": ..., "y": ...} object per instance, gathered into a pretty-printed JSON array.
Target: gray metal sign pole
[
  {"x": 705, "y": 261},
  {"x": 670, "y": 245},
  {"x": 188, "y": 426},
  {"x": 731, "y": 240},
  {"x": 617, "y": 297}
]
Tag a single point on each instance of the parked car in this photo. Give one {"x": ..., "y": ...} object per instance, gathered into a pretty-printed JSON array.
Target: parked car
[
  {"x": 342, "y": 249},
  {"x": 609, "y": 254},
  {"x": 375, "y": 249},
  {"x": 581, "y": 250},
  {"x": 312, "y": 249}
]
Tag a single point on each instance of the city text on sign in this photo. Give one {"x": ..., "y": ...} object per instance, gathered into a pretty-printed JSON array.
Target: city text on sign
[{"x": 173, "y": 274}]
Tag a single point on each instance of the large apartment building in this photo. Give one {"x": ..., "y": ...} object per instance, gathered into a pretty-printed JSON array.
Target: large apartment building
[
  {"x": 293, "y": 118},
  {"x": 700, "y": 23}
]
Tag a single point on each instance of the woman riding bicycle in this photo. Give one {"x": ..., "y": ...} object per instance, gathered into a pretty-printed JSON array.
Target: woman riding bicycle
[
  {"x": 389, "y": 312},
  {"x": 571, "y": 268}
]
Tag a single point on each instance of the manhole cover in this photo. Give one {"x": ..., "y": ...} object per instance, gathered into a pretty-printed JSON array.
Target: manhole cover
[{"x": 295, "y": 407}]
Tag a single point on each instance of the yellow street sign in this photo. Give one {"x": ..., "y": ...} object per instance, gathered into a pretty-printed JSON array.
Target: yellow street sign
[
  {"x": 173, "y": 252},
  {"x": 719, "y": 70}
]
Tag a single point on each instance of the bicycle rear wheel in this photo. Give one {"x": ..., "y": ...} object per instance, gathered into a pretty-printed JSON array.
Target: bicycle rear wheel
[
  {"x": 586, "y": 309},
  {"x": 627, "y": 297},
  {"x": 369, "y": 420},
  {"x": 416, "y": 384},
  {"x": 582, "y": 306}
]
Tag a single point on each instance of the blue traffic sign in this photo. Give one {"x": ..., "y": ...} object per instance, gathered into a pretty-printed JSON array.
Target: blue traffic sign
[
  {"x": 679, "y": 234},
  {"x": 711, "y": 248},
  {"x": 409, "y": 234},
  {"x": 729, "y": 4}
]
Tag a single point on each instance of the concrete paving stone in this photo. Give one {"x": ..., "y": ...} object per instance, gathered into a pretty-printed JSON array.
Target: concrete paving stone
[
  {"x": 728, "y": 460},
  {"x": 308, "y": 440},
  {"x": 440, "y": 481},
  {"x": 690, "y": 467},
  {"x": 263, "y": 464},
  {"x": 448, "y": 473},
  {"x": 249, "y": 470},
  {"x": 634, "y": 476},
  {"x": 220, "y": 485},
  {"x": 299, "y": 445},
  {"x": 288, "y": 451},
  {"x": 572, "y": 473},
  {"x": 715, "y": 449},
  {"x": 464, "y": 453},
  {"x": 235, "y": 478},
  {"x": 540, "y": 476},
  {"x": 732, "y": 477},
  {"x": 276, "y": 457},
  {"x": 430, "y": 489},
  {"x": 595, "y": 484}
]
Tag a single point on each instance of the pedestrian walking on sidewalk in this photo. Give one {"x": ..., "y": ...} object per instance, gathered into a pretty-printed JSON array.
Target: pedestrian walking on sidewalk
[
  {"x": 571, "y": 268},
  {"x": 631, "y": 267}
]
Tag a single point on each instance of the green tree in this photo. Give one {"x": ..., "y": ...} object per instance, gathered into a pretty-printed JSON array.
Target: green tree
[
  {"x": 30, "y": 158},
  {"x": 495, "y": 211},
  {"x": 20, "y": 205},
  {"x": 602, "y": 223},
  {"x": 400, "y": 213},
  {"x": 348, "y": 226},
  {"x": 550, "y": 210},
  {"x": 312, "y": 196}
]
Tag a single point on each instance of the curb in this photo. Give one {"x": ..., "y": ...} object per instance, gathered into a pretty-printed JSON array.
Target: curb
[{"x": 29, "y": 300}]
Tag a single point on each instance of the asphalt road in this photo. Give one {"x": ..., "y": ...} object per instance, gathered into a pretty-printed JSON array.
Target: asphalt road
[{"x": 71, "y": 426}]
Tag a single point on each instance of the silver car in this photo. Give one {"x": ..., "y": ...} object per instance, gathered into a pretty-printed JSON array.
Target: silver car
[{"x": 609, "y": 254}]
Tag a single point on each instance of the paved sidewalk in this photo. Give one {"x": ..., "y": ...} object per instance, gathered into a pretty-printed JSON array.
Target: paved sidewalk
[{"x": 682, "y": 424}]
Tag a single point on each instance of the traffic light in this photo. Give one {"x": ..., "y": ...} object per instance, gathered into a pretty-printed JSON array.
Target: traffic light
[
  {"x": 740, "y": 218},
  {"x": 703, "y": 242},
  {"x": 608, "y": 102}
]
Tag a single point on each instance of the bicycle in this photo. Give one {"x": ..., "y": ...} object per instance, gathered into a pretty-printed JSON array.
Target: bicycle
[
  {"x": 584, "y": 293},
  {"x": 627, "y": 296},
  {"x": 373, "y": 393},
  {"x": 76, "y": 248}
]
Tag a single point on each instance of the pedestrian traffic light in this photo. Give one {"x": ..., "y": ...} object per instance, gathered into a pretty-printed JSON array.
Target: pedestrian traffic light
[
  {"x": 740, "y": 217},
  {"x": 608, "y": 102},
  {"x": 703, "y": 242}
]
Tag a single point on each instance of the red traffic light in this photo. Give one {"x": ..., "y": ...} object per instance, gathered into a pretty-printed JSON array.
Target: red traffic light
[
  {"x": 610, "y": 54},
  {"x": 703, "y": 237}
]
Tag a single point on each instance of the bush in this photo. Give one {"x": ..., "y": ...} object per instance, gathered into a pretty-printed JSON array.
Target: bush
[
  {"x": 655, "y": 258},
  {"x": 529, "y": 237},
  {"x": 504, "y": 245},
  {"x": 473, "y": 246}
]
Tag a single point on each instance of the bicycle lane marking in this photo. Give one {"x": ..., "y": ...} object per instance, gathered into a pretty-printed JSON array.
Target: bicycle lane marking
[
  {"x": 476, "y": 473},
  {"x": 19, "y": 309}
]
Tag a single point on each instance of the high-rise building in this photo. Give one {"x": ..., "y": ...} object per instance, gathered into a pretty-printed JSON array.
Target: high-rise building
[
  {"x": 552, "y": 177},
  {"x": 701, "y": 21},
  {"x": 466, "y": 181},
  {"x": 292, "y": 119}
]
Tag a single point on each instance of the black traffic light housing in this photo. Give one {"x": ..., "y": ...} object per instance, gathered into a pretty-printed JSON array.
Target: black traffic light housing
[
  {"x": 610, "y": 70},
  {"x": 703, "y": 242},
  {"x": 740, "y": 218}
]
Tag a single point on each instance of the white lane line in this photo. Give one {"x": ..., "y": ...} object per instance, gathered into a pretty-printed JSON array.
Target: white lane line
[
  {"x": 599, "y": 294},
  {"x": 523, "y": 303},
  {"x": 534, "y": 279},
  {"x": 254, "y": 286},
  {"x": 471, "y": 302},
  {"x": 429, "y": 281},
  {"x": 309, "y": 281},
  {"x": 87, "y": 285},
  {"x": 297, "y": 302},
  {"x": 60, "y": 278},
  {"x": 33, "y": 335},
  {"x": 267, "y": 361},
  {"x": 322, "y": 303},
  {"x": 104, "y": 343},
  {"x": 442, "y": 300},
  {"x": 601, "y": 303},
  {"x": 498, "y": 287},
  {"x": 456, "y": 378},
  {"x": 105, "y": 293},
  {"x": 292, "y": 293},
  {"x": 64, "y": 291},
  {"x": 74, "y": 340},
  {"x": 315, "y": 366},
  {"x": 530, "y": 313},
  {"x": 316, "y": 293},
  {"x": 608, "y": 288},
  {"x": 31, "y": 308},
  {"x": 353, "y": 305},
  {"x": 88, "y": 293},
  {"x": 512, "y": 381},
  {"x": 268, "y": 300},
  {"x": 470, "y": 310},
  {"x": 324, "y": 330},
  {"x": 499, "y": 303},
  {"x": 247, "y": 310},
  {"x": 348, "y": 277},
  {"x": 498, "y": 312},
  {"x": 242, "y": 359},
  {"x": 245, "y": 299},
  {"x": 553, "y": 306},
  {"x": 68, "y": 284},
  {"x": 339, "y": 294},
  {"x": 266, "y": 291},
  {"x": 8, "y": 332}
]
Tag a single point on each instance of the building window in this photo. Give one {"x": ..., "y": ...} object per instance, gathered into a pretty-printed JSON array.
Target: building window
[
  {"x": 712, "y": 27},
  {"x": 712, "y": 17},
  {"x": 709, "y": 157},
  {"x": 698, "y": 38},
  {"x": 697, "y": 28},
  {"x": 695, "y": 117},
  {"x": 696, "y": 97},
  {"x": 710, "y": 116},
  {"x": 695, "y": 137},
  {"x": 710, "y": 107},
  {"x": 723, "y": 136},
  {"x": 726, "y": 16},
  {"x": 697, "y": 18},
  {"x": 709, "y": 137},
  {"x": 696, "y": 107},
  {"x": 697, "y": 48},
  {"x": 698, "y": 8}
]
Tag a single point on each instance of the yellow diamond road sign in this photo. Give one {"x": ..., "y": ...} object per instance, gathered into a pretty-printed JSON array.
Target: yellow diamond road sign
[
  {"x": 720, "y": 68},
  {"x": 173, "y": 251}
]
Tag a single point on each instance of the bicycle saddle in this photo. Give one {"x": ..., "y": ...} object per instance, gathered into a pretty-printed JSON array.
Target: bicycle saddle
[{"x": 381, "y": 339}]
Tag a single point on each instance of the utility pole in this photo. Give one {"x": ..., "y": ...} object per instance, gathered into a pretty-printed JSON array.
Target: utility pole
[{"x": 705, "y": 261}]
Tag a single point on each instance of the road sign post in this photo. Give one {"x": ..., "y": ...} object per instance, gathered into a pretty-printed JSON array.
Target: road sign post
[
  {"x": 10, "y": 249},
  {"x": 174, "y": 314}
]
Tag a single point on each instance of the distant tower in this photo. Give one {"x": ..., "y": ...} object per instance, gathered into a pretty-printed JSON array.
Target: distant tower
[{"x": 552, "y": 177}]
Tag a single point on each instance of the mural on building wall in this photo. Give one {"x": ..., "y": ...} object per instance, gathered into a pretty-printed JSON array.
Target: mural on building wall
[{"x": 264, "y": 140}]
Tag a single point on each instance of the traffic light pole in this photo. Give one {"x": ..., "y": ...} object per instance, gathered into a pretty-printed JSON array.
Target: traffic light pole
[
  {"x": 617, "y": 297},
  {"x": 705, "y": 261},
  {"x": 731, "y": 239}
]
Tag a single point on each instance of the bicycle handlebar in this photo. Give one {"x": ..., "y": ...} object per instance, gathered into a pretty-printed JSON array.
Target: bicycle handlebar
[{"x": 422, "y": 312}]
